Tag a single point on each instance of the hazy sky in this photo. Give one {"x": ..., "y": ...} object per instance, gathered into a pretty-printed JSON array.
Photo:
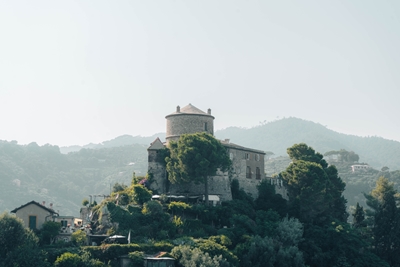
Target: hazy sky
[{"x": 74, "y": 72}]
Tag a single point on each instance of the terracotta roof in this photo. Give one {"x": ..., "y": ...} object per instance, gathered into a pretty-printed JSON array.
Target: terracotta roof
[
  {"x": 189, "y": 109},
  {"x": 227, "y": 143},
  {"x": 35, "y": 203}
]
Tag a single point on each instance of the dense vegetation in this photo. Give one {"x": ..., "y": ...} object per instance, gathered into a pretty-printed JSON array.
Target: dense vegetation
[
  {"x": 42, "y": 173},
  {"x": 311, "y": 229}
]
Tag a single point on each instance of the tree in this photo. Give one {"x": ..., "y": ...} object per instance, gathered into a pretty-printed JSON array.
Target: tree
[
  {"x": 195, "y": 157},
  {"x": 358, "y": 216},
  {"x": 315, "y": 189},
  {"x": 69, "y": 260},
  {"x": 385, "y": 220},
  {"x": 279, "y": 250},
  {"x": 19, "y": 245},
  {"x": 78, "y": 237},
  {"x": 140, "y": 194},
  {"x": 49, "y": 231},
  {"x": 188, "y": 257}
]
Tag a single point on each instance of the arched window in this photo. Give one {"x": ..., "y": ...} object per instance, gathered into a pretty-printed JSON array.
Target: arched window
[{"x": 248, "y": 172}]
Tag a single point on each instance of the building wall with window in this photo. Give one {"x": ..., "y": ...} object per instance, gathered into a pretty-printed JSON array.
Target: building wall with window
[
  {"x": 247, "y": 166},
  {"x": 34, "y": 214}
]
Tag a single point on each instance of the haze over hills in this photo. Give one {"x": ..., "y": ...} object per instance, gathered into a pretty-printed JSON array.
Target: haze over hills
[
  {"x": 278, "y": 135},
  {"x": 43, "y": 173}
]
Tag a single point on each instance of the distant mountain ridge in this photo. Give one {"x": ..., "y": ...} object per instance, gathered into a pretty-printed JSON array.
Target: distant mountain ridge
[
  {"x": 122, "y": 140},
  {"x": 277, "y": 136}
]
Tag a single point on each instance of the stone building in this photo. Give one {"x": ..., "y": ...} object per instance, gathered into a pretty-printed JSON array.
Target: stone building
[{"x": 247, "y": 163}]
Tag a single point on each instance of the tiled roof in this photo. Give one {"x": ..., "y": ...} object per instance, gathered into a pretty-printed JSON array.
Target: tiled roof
[
  {"x": 35, "y": 203},
  {"x": 156, "y": 144},
  {"x": 189, "y": 109},
  {"x": 227, "y": 143}
]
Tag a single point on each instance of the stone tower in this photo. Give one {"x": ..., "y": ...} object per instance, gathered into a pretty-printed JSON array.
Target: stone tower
[{"x": 188, "y": 120}]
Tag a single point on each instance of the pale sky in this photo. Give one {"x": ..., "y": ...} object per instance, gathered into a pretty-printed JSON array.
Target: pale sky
[{"x": 75, "y": 72}]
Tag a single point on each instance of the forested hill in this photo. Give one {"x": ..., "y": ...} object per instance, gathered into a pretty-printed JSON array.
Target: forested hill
[
  {"x": 277, "y": 136},
  {"x": 43, "y": 173},
  {"x": 122, "y": 140}
]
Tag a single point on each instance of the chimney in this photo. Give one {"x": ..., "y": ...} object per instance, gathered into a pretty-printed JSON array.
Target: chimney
[
  {"x": 51, "y": 205},
  {"x": 43, "y": 203},
  {"x": 178, "y": 109},
  {"x": 227, "y": 140},
  {"x": 209, "y": 111}
]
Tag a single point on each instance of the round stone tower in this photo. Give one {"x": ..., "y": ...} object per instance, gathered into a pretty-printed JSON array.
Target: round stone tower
[{"x": 188, "y": 120}]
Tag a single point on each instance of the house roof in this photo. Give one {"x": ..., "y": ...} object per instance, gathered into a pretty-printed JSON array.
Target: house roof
[
  {"x": 189, "y": 109},
  {"x": 227, "y": 143},
  {"x": 34, "y": 203},
  {"x": 156, "y": 144}
]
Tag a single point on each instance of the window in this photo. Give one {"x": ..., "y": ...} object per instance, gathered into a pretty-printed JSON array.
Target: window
[
  {"x": 247, "y": 156},
  {"x": 257, "y": 157},
  {"x": 258, "y": 173},
  {"x": 64, "y": 223},
  {"x": 248, "y": 172},
  {"x": 231, "y": 156},
  {"x": 32, "y": 222},
  {"x": 205, "y": 126}
]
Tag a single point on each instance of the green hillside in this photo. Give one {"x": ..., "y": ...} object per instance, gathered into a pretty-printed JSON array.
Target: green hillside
[
  {"x": 43, "y": 173},
  {"x": 277, "y": 136}
]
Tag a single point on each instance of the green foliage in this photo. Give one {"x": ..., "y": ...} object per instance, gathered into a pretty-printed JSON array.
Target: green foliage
[
  {"x": 385, "y": 220},
  {"x": 358, "y": 216},
  {"x": 267, "y": 198},
  {"x": 178, "y": 207},
  {"x": 19, "y": 245},
  {"x": 85, "y": 202},
  {"x": 49, "y": 231},
  {"x": 195, "y": 157},
  {"x": 344, "y": 155},
  {"x": 188, "y": 257},
  {"x": 315, "y": 189},
  {"x": 337, "y": 244},
  {"x": 69, "y": 260},
  {"x": 137, "y": 258},
  {"x": 140, "y": 194},
  {"x": 78, "y": 237},
  {"x": 279, "y": 250},
  {"x": 152, "y": 208},
  {"x": 117, "y": 187}
]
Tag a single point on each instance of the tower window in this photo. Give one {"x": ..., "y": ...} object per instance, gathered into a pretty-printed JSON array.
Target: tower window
[
  {"x": 205, "y": 126},
  {"x": 248, "y": 172},
  {"x": 258, "y": 173}
]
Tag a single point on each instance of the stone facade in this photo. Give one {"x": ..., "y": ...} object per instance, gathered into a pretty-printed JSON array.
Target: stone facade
[
  {"x": 188, "y": 120},
  {"x": 247, "y": 163}
]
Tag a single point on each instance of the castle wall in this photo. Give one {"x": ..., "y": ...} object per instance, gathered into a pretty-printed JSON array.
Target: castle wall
[
  {"x": 217, "y": 185},
  {"x": 178, "y": 124},
  {"x": 243, "y": 159},
  {"x": 158, "y": 172}
]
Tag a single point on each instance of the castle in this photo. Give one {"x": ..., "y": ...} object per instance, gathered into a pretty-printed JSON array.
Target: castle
[{"x": 247, "y": 163}]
